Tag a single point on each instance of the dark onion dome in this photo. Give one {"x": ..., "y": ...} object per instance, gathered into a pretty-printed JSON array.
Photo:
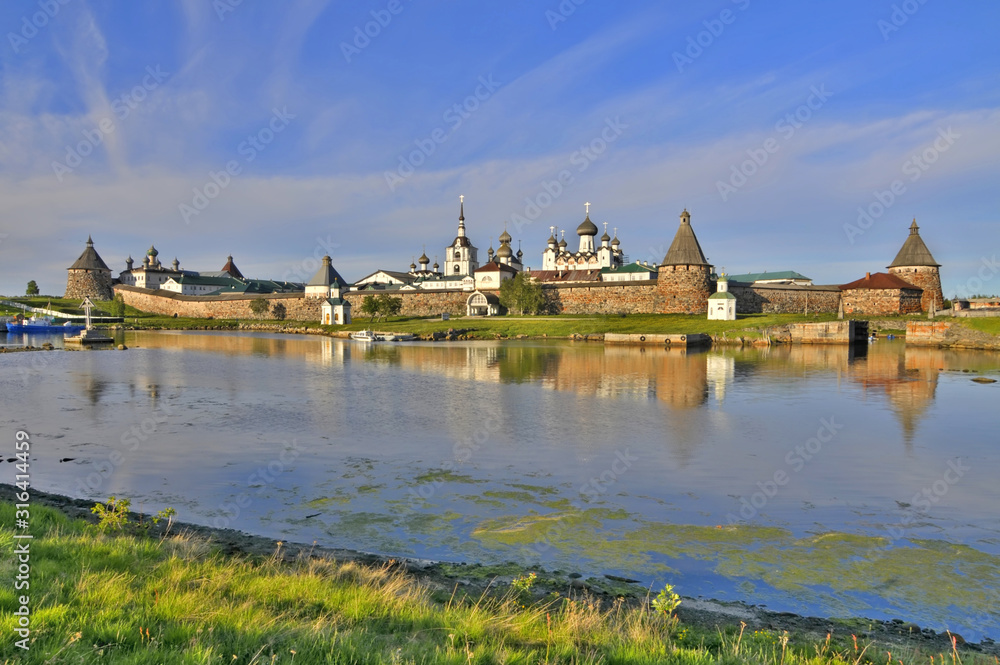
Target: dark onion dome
[
  {"x": 605, "y": 237},
  {"x": 436, "y": 266},
  {"x": 562, "y": 243},
  {"x": 423, "y": 258},
  {"x": 490, "y": 250},
  {"x": 520, "y": 253},
  {"x": 152, "y": 251},
  {"x": 615, "y": 242},
  {"x": 505, "y": 237},
  {"x": 413, "y": 266},
  {"x": 552, "y": 239},
  {"x": 587, "y": 228},
  {"x": 504, "y": 251}
]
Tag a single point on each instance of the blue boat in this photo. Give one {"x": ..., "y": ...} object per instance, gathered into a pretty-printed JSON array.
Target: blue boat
[{"x": 41, "y": 324}]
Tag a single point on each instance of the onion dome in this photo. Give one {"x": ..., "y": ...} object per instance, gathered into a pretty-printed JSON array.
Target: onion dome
[
  {"x": 152, "y": 251},
  {"x": 519, "y": 254},
  {"x": 605, "y": 237},
  {"x": 423, "y": 259},
  {"x": 413, "y": 266},
  {"x": 504, "y": 252},
  {"x": 436, "y": 266},
  {"x": 615, "y": 242},
  {"x": 552, "y": 239},
  {"x": 562, "y": 244},
  {"x": 587, "y": 228},
  {"x": 505, "y": 237}
]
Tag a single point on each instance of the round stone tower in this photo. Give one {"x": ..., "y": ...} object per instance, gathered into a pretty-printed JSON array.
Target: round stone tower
[
  {"x": 684, "y": 280},
  {"x": 915, "y": 265},
  {"x": 89, "y": 276}
]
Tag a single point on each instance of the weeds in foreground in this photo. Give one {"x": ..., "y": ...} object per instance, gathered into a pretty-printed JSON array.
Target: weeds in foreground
[{"x": 120, "y": 596}]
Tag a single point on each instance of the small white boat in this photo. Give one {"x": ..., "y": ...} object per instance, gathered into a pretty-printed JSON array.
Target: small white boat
[
  {"x": 398, "y": 337},
  {"x": 366, "y": 336}
]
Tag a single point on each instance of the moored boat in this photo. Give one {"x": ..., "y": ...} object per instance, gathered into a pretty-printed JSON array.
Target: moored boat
[
  {"x": 41, "y": 324},
  {"x": 366, "y": 336}
]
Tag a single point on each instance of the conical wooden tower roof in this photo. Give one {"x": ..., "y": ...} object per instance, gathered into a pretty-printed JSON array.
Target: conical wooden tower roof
[
  {"x": 90, "y": 259},
  {"x": 685, "y": 250},
  {"x": 914, "y": 252},
  {"x": 327, "y": 275}
]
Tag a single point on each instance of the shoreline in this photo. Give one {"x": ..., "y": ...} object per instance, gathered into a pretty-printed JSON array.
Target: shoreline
[{"x": 476, "y": 579}]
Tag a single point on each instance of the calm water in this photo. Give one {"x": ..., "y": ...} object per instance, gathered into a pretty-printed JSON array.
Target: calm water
[{"x": 808, "y": 479}]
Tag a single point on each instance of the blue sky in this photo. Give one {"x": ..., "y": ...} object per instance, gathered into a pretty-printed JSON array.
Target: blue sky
[{"x": 775, "y": 124}]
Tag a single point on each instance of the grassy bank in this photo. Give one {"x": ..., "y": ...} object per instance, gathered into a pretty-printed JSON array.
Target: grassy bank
[
  {"x": 131, "y": 597},
  {"x": 748, "y": 326}
]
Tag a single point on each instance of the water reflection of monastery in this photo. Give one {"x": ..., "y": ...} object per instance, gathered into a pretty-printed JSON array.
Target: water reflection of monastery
[{"x": 906, "y": 378}]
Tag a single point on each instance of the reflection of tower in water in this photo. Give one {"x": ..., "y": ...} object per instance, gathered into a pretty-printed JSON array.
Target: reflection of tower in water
[{"x": 908, "y": 379}]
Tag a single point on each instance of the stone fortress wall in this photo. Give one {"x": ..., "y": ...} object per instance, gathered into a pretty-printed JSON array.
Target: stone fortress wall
[{"x": 647, "y": 297}]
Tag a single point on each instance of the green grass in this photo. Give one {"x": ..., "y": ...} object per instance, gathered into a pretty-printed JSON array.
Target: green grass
[
  {"x": 66, "y": 306},
  {"x": 131, "y": 598},
  {"x": 749, "y": 325},
  {"x": 990, "y": 325}
]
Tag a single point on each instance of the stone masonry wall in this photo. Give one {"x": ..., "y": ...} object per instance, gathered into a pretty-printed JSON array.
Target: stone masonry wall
[
  {"x": 93, "y": 283},
  {"x": 927, "y": 278},
  {"x": 297, "y": 306},
  {"x": 684, "y": 289},
  {"x": 882, "y": 302},
  {"x": 229, "y": 306},
  {"x": 419, "y": 303},
  {"x": 784, "y": 299},
  {"x": 604, "y": 298}
]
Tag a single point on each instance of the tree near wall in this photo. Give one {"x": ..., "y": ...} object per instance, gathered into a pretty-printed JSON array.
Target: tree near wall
[
  {"x": 369, "y": 307},
  {"x": 117, "y": 306},
  {"x": 522, "y": 295},
  {"x": 279, "y": 311},
  {"x": 32, "y": 289},
  {"x": 388, "y": 306},
  {"x": 260, "y": 306}
]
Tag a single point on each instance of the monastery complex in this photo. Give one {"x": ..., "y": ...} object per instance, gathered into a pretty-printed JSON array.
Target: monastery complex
[{"x": 590, "y": 276}]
